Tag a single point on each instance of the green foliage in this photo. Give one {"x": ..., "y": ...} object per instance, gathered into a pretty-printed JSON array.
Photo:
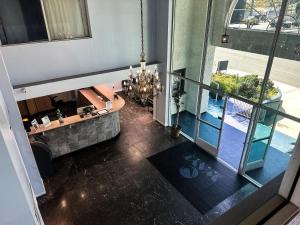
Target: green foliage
[
  {"x": 248, "y": 86},
  {"x": 227, "y": 83}
]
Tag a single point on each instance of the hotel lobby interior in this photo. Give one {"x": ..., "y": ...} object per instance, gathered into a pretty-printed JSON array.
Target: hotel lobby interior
[{"x": 137, "y": 112}]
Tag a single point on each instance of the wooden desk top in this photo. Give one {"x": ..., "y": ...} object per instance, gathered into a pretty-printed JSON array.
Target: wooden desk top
[
  {"x": 105, "y": 91},
  {"x": 91, "y": 96}
]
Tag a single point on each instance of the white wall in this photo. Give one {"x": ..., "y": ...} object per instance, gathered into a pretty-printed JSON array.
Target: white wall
[
  {"x": 290, "y": 175},
  {"x": 115, "y": 27},
  {"x": 115, "y": 86},
  {"x": 49, "y": 88},
  {"x": 188, "y": 37},
  {"x": 16, "y": 124},
  {"x": 162, "y": 26},
  {"x": 17, "y": 205},
  {"x": 115, "y": 43}
]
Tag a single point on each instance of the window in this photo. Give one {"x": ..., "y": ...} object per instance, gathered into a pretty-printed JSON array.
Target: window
[
  {"x": 23, "y": 21},
  {"x": 263, "y": 15},
  {"x": 66, "y": 19}
]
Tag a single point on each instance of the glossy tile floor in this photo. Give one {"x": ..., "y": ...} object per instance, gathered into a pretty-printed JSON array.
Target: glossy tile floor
[
  {"x": 198, "y": 176},
  {"x": 113, "y": 183}
]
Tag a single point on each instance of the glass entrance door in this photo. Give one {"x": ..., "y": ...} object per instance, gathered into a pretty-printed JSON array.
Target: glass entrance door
[
  {"x": 260, "y": 140},
  {"x": 210, "y": 121}
]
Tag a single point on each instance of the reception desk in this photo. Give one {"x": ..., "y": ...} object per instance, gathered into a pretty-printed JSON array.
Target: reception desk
[{"x": 78, "y": 132}]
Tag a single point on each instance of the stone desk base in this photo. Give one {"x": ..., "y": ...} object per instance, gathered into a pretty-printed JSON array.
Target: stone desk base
[{"x": 73, "y": 137}]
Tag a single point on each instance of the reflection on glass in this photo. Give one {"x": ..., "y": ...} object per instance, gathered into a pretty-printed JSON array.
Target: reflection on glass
[
  {"x": 259, "y": 146},
  {"x": 209, "y": 134},
  {"x": 211, "y": 114},
  {"x": 188, "y": 94},
  {"x": 271, "y": 146}
]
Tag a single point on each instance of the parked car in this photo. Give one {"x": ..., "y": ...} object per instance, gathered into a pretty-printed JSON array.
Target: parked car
[{"x": 285, "y": 24}]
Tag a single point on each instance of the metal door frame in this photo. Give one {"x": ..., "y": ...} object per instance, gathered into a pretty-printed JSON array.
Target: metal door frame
[{"x": 213, "y": 150}]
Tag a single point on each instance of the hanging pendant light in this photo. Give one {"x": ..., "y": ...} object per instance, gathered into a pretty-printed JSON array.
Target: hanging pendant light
[{"x": 145, "y": 84}]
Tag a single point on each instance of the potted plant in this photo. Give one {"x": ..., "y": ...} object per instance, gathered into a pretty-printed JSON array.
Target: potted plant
[{"x": 177, "y": 94}]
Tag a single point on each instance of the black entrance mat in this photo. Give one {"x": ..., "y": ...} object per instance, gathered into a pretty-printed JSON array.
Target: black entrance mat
[{"x": 199, "y": 177}]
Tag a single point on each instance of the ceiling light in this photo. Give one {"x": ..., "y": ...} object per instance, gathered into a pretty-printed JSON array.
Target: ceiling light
[
  {"x": 225, "y": 38},
  {"x": 145, "y": 83}
]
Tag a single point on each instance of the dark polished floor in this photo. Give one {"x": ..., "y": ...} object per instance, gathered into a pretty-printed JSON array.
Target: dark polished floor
[
  {"x": 198, "y": 176},
  {"x": 113, "y": 183}
]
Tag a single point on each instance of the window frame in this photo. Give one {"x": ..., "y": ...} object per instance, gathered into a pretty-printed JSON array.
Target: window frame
[
  {"x": 49, "y": 40},
  {"x": 287, "y": 185}
]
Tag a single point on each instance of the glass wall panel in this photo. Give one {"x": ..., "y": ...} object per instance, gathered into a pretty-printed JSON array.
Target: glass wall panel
[
  {"x": 236, "y": 58},
  {"x": 188, "y": 36},
  {"x": 286, "y": 66},
  {"x": 237, "y": 51},
  {"x": 271, "y": 146},
  {"x": 211, "y": 116},
  {"x": 262, "y": 15},
  {"x": 234, "y": 131},
  {"x": 186, "y": 93}
]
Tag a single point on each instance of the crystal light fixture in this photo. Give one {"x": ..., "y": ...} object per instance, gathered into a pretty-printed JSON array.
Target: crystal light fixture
[{"x": 145, "y": 84}]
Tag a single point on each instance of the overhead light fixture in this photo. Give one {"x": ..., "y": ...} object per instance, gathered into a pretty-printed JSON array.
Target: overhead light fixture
[
  {"x": 225, "y": 38},
  {"x": 145, "y": 84}
]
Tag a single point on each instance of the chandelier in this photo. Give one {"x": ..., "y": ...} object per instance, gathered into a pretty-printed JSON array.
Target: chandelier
[{"x": 145, "y": 84}]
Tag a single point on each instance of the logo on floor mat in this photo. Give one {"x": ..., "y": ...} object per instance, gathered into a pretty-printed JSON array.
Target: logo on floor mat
[{"x": 194, "y": 166}]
